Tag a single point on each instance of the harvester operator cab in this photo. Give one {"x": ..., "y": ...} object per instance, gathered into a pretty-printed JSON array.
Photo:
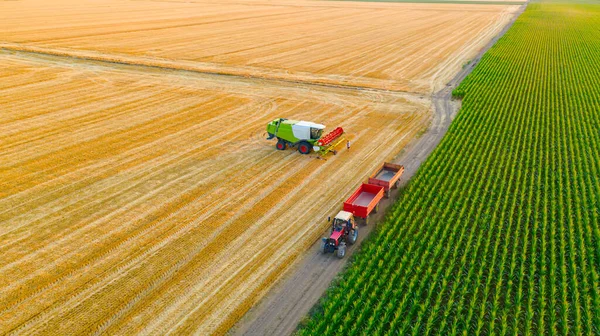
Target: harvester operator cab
[{"x": 315, "y": 133}]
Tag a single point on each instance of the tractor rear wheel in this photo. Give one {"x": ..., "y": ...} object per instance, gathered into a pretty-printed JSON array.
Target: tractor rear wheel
[
  {"x": 281, "y": 145},
  {"x": 341, "y": 252},
  {"x": 304, "y": 147},
  {"x": 353, "y": 236}
]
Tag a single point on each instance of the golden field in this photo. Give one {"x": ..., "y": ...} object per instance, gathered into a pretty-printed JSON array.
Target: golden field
[
  {"x": 143, "y": 199},
  {"x": 408, "y": 47},
  {"x": 140, "y": 196}
]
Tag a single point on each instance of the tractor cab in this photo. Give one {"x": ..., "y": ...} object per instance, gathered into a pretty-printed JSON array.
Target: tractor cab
[
  {"x": 343, "y": 230},
  {"x": 344, "y": 220}
]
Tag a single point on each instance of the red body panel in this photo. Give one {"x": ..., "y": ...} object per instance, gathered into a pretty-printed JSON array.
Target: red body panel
[
  {"x": 387, "y": 184},
  {"x": 364, "y": 200},
  {"x": 336, "y": 235},
  {"x": 329, "y": 137}
]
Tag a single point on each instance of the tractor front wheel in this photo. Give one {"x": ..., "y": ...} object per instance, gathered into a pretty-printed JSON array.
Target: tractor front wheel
[
  {"x": 341, "y": 252},
  {"x": 323, "y": 247},
  {"x": 281, "y": 145},
  {"x": 304, "y": 147}
]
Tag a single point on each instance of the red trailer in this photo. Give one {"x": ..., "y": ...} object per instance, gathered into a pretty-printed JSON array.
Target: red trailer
[
  {"x": 364, "y": 200},
  {"x": 387, "y": 176}
]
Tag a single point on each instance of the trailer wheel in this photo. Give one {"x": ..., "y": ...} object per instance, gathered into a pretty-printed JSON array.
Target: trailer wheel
[
  {"x": 353, "y": 236},
  {"x": 341, "y": 252},
  {"x": 397, "y": 184},
  {"x": 281, "y": 145},
  {"x": 366, "y": 220},
  {"x": 304, "y": 147},
  {"x": 376, "y": 208},
  {"x": 387, "y": 193}
]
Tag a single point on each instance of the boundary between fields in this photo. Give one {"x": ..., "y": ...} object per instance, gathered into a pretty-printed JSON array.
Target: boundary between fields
[{"x": 213, "y": 69}]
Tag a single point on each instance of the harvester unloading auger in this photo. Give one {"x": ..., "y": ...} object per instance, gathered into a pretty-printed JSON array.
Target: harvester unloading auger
[{"x": 305, "y": 135}]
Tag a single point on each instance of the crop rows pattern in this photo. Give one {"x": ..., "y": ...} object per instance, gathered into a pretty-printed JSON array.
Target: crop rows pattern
[{"x": 499, "y": 231}]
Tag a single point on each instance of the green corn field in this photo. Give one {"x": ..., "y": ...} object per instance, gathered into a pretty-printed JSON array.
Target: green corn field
[{"x": 499, "y": 231}]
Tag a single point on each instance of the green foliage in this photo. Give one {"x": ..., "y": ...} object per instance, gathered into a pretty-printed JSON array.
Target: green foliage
[
  {"x": 499, "y": 231},
  {"x": 458, "y": 93}
]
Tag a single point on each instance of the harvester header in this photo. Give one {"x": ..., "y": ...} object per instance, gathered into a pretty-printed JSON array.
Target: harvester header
[{"x": 330, "y": 137}]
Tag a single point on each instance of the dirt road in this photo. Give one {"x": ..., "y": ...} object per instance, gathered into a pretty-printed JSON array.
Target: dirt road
[{"x": 289, "y": 301}]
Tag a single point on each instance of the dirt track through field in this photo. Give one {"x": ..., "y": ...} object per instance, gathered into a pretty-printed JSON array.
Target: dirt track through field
[{"x": 283, "y": 308}]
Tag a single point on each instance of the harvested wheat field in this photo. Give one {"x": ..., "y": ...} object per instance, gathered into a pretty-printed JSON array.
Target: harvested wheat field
[
  {"x": 392, "y": 46},
  {"x": 150, "y": 201},
  {"x": 137, "y": 191}
]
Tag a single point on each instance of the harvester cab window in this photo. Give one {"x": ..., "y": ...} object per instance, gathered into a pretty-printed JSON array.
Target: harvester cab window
[{"x": 315, "y": 133}]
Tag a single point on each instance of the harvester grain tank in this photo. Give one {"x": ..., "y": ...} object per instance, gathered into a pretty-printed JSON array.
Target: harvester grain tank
[{"x": 305, "y": 135}]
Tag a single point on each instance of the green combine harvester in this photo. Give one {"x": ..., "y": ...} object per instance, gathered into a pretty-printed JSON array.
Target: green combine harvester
[{"x": 305, "y": 135}]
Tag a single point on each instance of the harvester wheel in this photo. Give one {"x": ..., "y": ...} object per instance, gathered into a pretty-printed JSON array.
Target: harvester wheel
[
  {"x": 304, "y": 147},
  {"x": 281, "y": 145},
  {"x": 353, "y": 236},
  {"x": 341, "y": 252}
]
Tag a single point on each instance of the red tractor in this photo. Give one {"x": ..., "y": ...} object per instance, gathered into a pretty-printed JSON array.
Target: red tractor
[{"x": 343, "y": 231}]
